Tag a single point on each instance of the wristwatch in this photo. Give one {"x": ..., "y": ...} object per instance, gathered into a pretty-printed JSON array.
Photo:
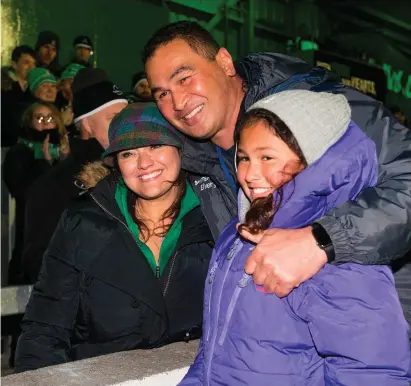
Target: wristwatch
[{"x": 323, "y": 241}]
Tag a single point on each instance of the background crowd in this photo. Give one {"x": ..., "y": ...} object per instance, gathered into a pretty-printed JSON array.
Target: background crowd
[
  {"x": 57, "y": 121},
  {"x": 37, "y": 119},
  {"x": 38, "y": 133}
]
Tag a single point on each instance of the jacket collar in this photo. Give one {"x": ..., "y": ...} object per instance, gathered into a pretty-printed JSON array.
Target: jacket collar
[
  {"x": 265, "y": 73},
  {"x": 194, "y": 227}
]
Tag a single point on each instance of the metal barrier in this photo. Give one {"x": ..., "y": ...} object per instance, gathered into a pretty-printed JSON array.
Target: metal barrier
[
  {"x": 8, "y": 211},
  {"x": 14, "y": 299},
  {"x": 165, "y": 366}
]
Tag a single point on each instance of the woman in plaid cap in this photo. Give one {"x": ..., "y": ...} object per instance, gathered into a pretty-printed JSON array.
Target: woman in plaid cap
[{"x": 127, "y": 264}]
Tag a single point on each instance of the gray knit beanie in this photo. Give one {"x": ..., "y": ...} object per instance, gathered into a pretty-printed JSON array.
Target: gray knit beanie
[{"x": 316, "y": 119}]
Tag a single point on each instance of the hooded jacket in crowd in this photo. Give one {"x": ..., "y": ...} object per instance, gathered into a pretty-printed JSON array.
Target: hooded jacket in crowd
[
  {"x": 12, "y": 97},
  {"x": 376, "y": 232},
  {"x": 345, "y": 326},
  {"x": 52, "y": 193},
  {"x": 23, "y": 164},
  {"x": 97, "y": 293}
]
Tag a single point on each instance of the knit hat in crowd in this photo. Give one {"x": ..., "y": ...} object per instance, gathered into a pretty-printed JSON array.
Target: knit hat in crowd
[
  {"x": 92, "y": 92},
  {"x": 83, "y": 41},
  {"x": 71, "y": 71},
  {"x": 137, "y": 78},
  {"x": 47, "y": 37},
  {"x": 316, "y": 119},
  {"x": 38, "y": 76},
  {"x": 139, "y": 125}
]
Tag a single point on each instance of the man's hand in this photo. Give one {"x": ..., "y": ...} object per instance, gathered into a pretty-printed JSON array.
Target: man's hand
[{"x": 283, "y": 259}]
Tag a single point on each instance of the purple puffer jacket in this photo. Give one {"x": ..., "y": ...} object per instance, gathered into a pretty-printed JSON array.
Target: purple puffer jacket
[{"x": 344, "y": 326}]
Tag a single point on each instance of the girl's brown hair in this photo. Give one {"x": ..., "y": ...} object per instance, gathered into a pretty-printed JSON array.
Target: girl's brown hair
[
  {"x": 28, "y": 115},
  {"x": 262, "y": 210},
  {"x": 171, "y": 213}
]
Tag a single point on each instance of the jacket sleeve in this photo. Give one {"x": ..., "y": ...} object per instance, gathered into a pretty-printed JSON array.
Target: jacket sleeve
[
  {"x": 20, "y": 169},
  {"x": 376, "y": 228},
  {"x": 51, "y": 311},
  {"x": 357, "y": 325},
  {"x": 194, "y": 375}
]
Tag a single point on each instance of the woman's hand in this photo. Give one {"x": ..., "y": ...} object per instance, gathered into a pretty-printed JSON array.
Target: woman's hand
[
  {"x": 64, "y": 147},
  {"x": 46, "y": 152}
]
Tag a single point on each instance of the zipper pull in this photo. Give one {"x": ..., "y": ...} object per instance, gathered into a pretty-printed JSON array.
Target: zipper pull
[
  {"x": 157, "y": 272},
  {"x": 212, "y": 272},
  {"x": 244, "y": 280}
]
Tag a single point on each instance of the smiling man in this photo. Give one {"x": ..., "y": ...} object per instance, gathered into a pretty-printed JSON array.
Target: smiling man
[
  {"x": 193, "y": 95},
  {"x": 203, "y": 93}
]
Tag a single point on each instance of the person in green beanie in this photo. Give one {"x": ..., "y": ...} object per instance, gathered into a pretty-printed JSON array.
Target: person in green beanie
[
  {"x": 66, "y": 80},
  {"x": 127, "y": 264},
  {"x": 65, "y": 95},
  {"x": 42, "y": 84}
]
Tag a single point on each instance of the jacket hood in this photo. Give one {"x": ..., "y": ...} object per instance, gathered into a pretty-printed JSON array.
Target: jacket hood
[
  {"x": 91, "y": 174},
  {"x": 265, "y": 73},
  {"x": 337, "y": 177}
]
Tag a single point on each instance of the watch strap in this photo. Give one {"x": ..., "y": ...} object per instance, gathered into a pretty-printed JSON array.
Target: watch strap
[{"x": 323, "y": 240}]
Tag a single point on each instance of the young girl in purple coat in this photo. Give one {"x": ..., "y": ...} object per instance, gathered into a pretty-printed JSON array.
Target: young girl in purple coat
[{"x": 299, "y": 156}]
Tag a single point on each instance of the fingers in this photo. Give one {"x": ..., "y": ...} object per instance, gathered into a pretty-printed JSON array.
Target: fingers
[
  {"x": 265, "y": 274},
  {"x": 46, "y": 143},
  {"x": 253, "y": 261},
  {"x": 250, "y": 265},
  {"x": 250, "y": 237},
  {"x": 273, "y": 285},
  {"x": 260, "y": 275}
]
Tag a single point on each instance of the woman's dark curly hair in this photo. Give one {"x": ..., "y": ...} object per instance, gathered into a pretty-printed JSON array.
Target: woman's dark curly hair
[{"x": 262, "y": 210}]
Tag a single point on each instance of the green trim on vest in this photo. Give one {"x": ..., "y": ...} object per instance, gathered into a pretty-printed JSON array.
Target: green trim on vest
[{"x": 188, "y": 203}]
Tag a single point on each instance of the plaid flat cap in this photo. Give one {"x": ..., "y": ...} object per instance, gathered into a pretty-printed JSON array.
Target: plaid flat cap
[{"x": 139, "y": 125}]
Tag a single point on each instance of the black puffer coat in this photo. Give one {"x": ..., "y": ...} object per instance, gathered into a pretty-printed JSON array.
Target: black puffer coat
[
  {"x": 20, "y": 170},
  {"x": 97, "y": 294},
  {"x": 52, "y": 193}
]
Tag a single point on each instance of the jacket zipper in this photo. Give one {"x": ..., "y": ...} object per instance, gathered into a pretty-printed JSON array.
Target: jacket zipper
[
  {"x": 128, "y": 230},
  {"x": 237, "y": 246},
  {"x": 211, "y": 282},
  {"x": 157, "y": 266},
  {"x": 169, "y": 274},
  {"x": 242, "y": 283}
]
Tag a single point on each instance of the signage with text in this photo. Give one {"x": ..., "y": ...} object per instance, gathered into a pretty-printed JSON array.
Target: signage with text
[{"x": 370, "y": 80}]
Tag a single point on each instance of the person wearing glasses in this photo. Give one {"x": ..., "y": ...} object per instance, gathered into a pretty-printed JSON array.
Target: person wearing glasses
[
  {"x": 41, "y": 144},
  {"x": 127, "y": 263}
]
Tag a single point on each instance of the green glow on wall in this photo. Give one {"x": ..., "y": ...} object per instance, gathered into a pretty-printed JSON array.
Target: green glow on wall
[{"x": 395, "y": 81}]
